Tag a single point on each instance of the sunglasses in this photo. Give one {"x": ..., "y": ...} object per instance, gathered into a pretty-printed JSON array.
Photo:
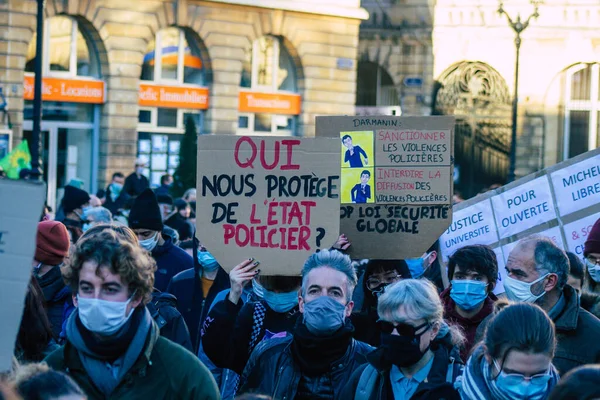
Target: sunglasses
[{"x": 402, "y": 329}]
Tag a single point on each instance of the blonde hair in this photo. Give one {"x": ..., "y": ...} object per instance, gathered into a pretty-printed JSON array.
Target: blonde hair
[{"x": 419, "y": 299}]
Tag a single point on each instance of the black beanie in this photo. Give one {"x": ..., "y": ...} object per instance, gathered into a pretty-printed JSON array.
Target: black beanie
[
  {"x": 145, "y": 213},
  {"x": 74, "y": 198}
]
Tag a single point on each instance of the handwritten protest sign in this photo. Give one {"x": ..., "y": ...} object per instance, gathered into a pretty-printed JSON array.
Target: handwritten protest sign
[
  {"x": 273, "y": 199},
  {"x": 396, "y": 181},
  {"x": 561, "y": 202},
  {"x": 20, "y": 207}
]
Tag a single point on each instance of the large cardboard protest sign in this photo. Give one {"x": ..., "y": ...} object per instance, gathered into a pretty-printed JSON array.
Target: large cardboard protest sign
[
  {"x": 273, "y": 199},
  {"x": 396, "y": 181},
  {"x": 20, "y": 208},
  {"x": 561, "y": 202}
]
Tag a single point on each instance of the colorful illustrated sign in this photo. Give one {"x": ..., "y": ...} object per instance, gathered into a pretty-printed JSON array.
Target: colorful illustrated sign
[
  {"x": 68, "y": 90},
  {"x": 396, "y": 182},
  {"x": 273, "y": 199},
  {"x": 20, "y": 206}
]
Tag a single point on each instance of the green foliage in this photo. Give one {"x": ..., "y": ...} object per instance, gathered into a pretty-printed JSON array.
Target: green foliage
[{"x": 185, "y": 174}]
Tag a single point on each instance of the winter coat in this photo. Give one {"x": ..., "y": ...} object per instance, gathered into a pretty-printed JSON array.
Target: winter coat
[
  {"x": 182, "y": 225},
  {"x": 231, "y": 332},
  {"x": 164, "y": 370},
  {"x": 56, "y": 295},
  {"x": 163, "y": 309},
  {"x": 446, "y": 368},
  {"x": 272, "y": 370},
  {"x": 170, "y": 260},
  {"x": 118, "y": 204},
  {"x": 591, "y": 302},
  {"x": 468, "y": 326},
  {"x": 75, "y": 228},
  {"x": 187, "y": 288},
  {"x": 135, "y": 185},
  {"x": 163, "y": 190}
]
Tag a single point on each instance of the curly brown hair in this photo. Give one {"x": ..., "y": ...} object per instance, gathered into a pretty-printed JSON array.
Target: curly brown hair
[{"x": 109, "y": 249}]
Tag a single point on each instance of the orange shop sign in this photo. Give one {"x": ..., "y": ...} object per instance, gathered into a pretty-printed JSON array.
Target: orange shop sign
[
  {"x": 173, "y": 96},
  {"x": 271, "y": 103},
  {"x": 67, "y": 90}
]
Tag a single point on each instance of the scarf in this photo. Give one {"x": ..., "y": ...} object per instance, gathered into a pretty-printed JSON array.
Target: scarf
[
  {"x": 478, "y": 383},
  {"x": 107, "y": 361},
  {"x": 315, "y": 354}
]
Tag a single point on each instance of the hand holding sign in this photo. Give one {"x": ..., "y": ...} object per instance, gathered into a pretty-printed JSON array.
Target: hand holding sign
[{"x": 239, "y": 277}]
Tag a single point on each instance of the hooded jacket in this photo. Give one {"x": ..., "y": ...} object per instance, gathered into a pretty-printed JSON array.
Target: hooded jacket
[
  {"x": 164, "y": 370},
  {"x": 468, "y": 325},
  {"x": 170, "y": 260},
  {"x": 447, "y": 365},
  {"x": 186, "y": 286}
]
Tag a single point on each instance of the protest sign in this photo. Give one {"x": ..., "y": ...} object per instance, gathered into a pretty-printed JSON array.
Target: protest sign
[
  {"x": 561, "y": 202},
  {"x": 20, "y": 209},
  {"x": 273, "y": 199},
  {"x": 396, "y": 181}
]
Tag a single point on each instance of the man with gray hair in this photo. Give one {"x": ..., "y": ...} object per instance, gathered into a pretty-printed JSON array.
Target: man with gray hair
[
  {"x": 319, "y": 357},
  {"x": 97, "y": 215},
  {"x": 537, "y": 273}
]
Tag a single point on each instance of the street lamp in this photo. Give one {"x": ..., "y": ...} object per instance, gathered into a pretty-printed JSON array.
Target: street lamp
[
  {"x": 518, "y": 27},
  {"x": 36, "y": 137}
]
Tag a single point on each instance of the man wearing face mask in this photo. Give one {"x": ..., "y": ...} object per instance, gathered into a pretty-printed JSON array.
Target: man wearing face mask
[
  {"x": 320, "y": 356},
  {"x": 537, "y": 273},
  {"x": 114, "y": 348},
  {"x": 196, "y": 288},
  {"x": 136, "y": 183},
  {"x": 146, "y": 221},
  {"x": 427, "y": 266},
  {"x": 76, "y": 205},
  {"x": 116, "y": 197},
  {"x": 180, "y": 220},
  {"x": 473, "y": 272}
]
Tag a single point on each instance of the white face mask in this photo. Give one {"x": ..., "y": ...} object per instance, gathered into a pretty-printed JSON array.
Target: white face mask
[
  {"x": 101, "y": 316},
  {"x": 150, "y": 243},
  {"x": 594, "y": 270},
  {"x": 521, "y": 291}
]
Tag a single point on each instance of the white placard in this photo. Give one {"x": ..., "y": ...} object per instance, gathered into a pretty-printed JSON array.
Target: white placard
[
  {"x": 523, "y": 207},
  {"x": 501, "y": 271},
  {"x": 472, "y": 225},
  {"x": 576, "y": 233},
  {"x": 552, "y": 233},
  {"x": 577, "y": 186}
]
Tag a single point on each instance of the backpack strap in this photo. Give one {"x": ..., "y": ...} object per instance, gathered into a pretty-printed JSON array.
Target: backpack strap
[
  {"x": 366, "y": 383},
  {"x": 154, "y": 310}
]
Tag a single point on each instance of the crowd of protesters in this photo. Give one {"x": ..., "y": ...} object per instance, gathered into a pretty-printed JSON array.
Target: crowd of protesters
[{"x": 126, "y": 302}]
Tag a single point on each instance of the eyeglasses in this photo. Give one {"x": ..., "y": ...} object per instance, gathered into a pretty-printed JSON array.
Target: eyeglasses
[
  {"x": 375, "y": 283},
  {"x": 592, "y": 260},
  {"x": 402, "y": 329},
  {"x": 518, "y": 379}
]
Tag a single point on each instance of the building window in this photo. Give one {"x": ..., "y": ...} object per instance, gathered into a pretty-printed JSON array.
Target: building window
[
  {"x": 66, "y": 50},
  {"x": 582, "y": 108},
  {"x": 268, "y": 68},
  {"x": 176, "y": 59},
  {"x": 375, "y": 87}
]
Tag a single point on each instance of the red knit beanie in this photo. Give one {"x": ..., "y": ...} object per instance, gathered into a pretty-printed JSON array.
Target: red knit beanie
[
  {"x": 592, "y": 244},
  {"x": 52, "y": 243}
]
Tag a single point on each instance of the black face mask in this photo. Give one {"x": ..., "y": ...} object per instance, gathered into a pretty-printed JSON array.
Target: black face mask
[{"x": 402, "y": 351}]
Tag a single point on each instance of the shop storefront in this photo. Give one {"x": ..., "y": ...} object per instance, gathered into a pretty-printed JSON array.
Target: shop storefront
[
  {"x": 72, "y": 96},
  {"x": 173, "y": 91}
]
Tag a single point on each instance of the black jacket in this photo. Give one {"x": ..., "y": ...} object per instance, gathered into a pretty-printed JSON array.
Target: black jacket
[
  {"x": 116, "y": 205},
  {"x": 163, "y": 309},
  {"x": 183, "y": 226},
  {"x": 135, "y": 185},
  {"x": 446, "y": 358},
  {"x": 56, "y": 294},
  {"x": 187, "y": 288},
  {"x": 170, "y": 260},
  {"x": 228, "y": 329},
  {"x": 272, "y": 370}
]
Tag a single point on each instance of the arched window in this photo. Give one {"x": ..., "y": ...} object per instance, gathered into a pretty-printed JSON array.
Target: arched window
[
  {"x": 374, "y": 86},
  {"x": 269, "y": 68},
  {"x": 66, "y": 50},
  {"x": 176, "y": 59},
  {"x": 582, "y": 106}
]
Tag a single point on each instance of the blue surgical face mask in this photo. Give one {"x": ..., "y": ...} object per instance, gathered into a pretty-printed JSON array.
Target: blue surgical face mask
[
  {"x": 468, "y": 294},
  {"x": 324, "y": 316},
  {"x": 85, "y": 211},
  {"x": 207, "y": 261},
  {"x": 278, "y": 302},
  {"x": 115, "y": 189},
  {"x": 416, "y": 266},
  {"x": 593, "y": 269},
  {"x": 517, "y": 387}
]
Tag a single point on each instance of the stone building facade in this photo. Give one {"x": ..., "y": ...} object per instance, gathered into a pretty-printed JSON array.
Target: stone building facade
[{"x": 121, "y": 78}]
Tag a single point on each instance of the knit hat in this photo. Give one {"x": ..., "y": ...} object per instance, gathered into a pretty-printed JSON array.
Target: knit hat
[
  {"x": 592, "y": 244},
  {"x": 145, "y": 213},
  {"x": 74, "y": 198},
  {"x": 181, "y": 204},
  {"x": 52, "y": 243}
]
